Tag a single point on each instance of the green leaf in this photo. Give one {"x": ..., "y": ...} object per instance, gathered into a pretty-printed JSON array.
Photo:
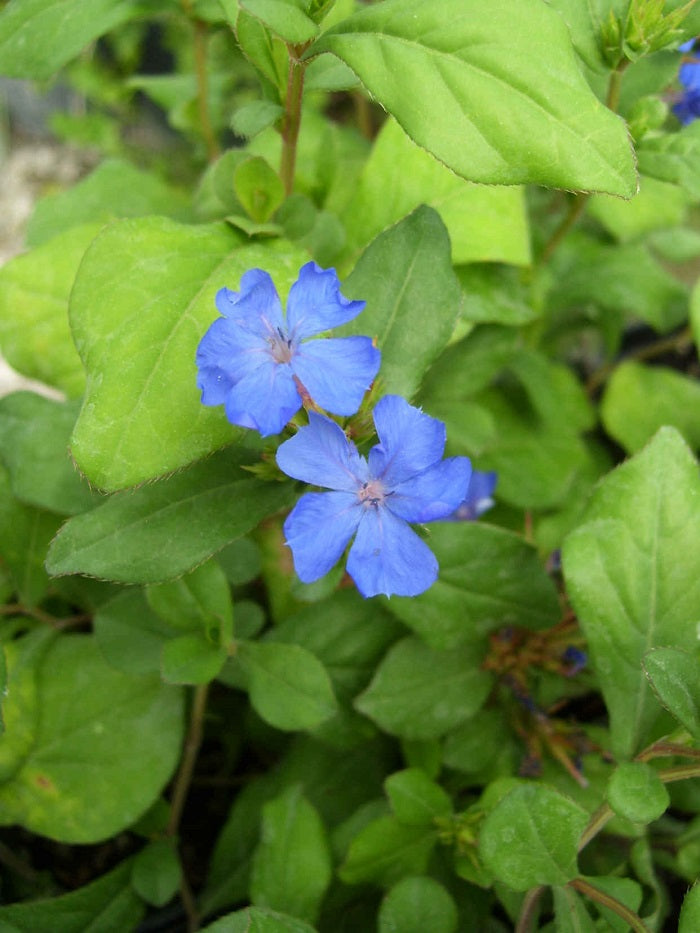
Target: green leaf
[
  {"x": 292, "y": 864},
  {"x": 285, "y": 18},
  {"x": 137, "y": 333},
  {"x": 531, "y": 837},
  {"x": 254, "y": 117},
  {"x": 37, "y": 37},
  {"x": 637, "y": 793},
  {"x": 489, "y": 577},
  {"x": 288, "y": 686},
  {"x": 34, "y": 433},
  {"x": 626, "y": 891},
  {"x": 257, "y": 920},
  {"x": 199, "y": 602},
  {"x": 165, "y": 529},
  {"x": 485, "y": 224},
  {"x": 403, "y": 272},
  {"x": 265, "y": 52},
  {"x": 116, "y": 188},
  {"x": 632, "y": 577},
  {"x": 674, "y": 679},
  {"x": 571, "y": 915},
  {"x": 156, "y": 872},
  {"x": 191, "y": 659},
  {"x": 386, "y": 850},
  {"x": 416, "y": 905},
  {"x": 130, "y": 635},
  {"x": 657, "y": 205},
  {"x": 415, "y": 799},
  {"x": 495, "y": 294},
  {"x": 689, "y": 919},
  {"x": 640, "y": 399},
  {"x": 420, "y": 693},
  {"x": 34, "y": 291},
  {"x": 258, "y": 188},
  {"x": 109, "y": 903},
  {"x": 457, "y": 71},
  {"x": 673, "y": 157},
  {"x": 104, "y": 746}
]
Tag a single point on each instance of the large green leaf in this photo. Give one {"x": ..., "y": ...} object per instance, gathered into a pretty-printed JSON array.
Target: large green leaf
[
  {"x": 109, "y": 903},
  {"x": 489, "y": 577},
  {"x": 37, "y": 37},
  {"x": 104, "y": 746},
  {"x": 485, "y": 224},
  {"x": 631, "y": 573},
  {"x": 34, "y": 289},
  {"x": 143, "y": 298},
  {"x": 163, "y": 530},
  {"x": 413, "y": 298},
  {"x": 499, "y": 98}
]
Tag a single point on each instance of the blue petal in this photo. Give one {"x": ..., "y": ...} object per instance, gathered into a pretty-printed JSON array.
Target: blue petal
[
  {"x": 410, "y": 441},
  {"x": 226, "y": 354},
  {"x": 256, "y": 308},
  {"x": 338, "y": 371},
  {"x": 435, "y": 493},
  {"x": 321, "y": 454},
  {"x": 266, "y": 399},
  {"x": 315, "y": 303},
  {"x": 318, "y": 530},
  {"x": 689, "y": 75},
  {"x": 388, "y": 557}
]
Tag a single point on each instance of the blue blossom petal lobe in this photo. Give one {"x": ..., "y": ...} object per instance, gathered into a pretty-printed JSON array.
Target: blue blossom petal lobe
[
  {"x": 256, "y": 307},
  {"x": 409, "y": 441},
  {"x": 315, "y": 303},
  {"x": 479, "y": 496},
  {"x": 388, "y": 557},
  {"x": 318, "y": 530},
  {"x": 433, "y": 494},
  {"x": 264, "y": 400},
  {"x": 321, "y": 454},
  {"x": 225, "y": 354},
  {"x": 338, "y": 371}
]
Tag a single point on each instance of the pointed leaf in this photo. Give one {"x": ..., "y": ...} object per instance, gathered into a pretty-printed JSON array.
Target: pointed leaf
[
  {"x": 675, "y": 678},
  {"x": 386, "y": 850},
  {"x": 631, "y": 574},
  {"x": 499, "y": 100},
  {"x": 415, "y": 799},
  {"x": 416, "y": 905}
]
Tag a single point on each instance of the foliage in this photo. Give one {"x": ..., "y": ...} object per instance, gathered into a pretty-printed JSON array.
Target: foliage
[{"x": 510, "y": 730}]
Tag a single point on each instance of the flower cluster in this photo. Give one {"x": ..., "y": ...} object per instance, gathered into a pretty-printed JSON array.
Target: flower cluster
[
  {"x": 263, "y": 367},
  {"x": 687, "y": 107}
]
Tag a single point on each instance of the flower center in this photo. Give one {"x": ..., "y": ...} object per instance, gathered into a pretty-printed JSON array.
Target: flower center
[
  {"x": 372, "y": 494},
  {"x": 281, "y": 346}
]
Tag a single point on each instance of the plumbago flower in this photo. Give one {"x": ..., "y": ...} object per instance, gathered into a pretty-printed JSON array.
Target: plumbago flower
[
  {"x": 261, "y": 366},
  {"x": 687, "y": 108},
  {"x": 404, "y": 479},
  {"x": 479, "y": 498}
]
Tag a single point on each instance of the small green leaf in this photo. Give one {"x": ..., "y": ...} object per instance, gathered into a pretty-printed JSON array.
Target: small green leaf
[
  {"x": 109, "y": 903},
  {"x": 386, "y": 850},
  {"x": 156, "y": 872},
  {"x": 415, "y": 799},
  {"x": 258, "y": 920},
  {"x": 631, "y": 575},
  {"x": 689, "y": 920},
  {"x": 267, "y": 53},
  {"x": 531, "y": 837},
  {"x": 288, "y": 686},
  {"x": 37, "y": 37},
  {"x": 34, "y": 433},
  {"x": 495, "y": 294},
  {"x": 405, "y": 271},
  {"x": 641, "y": 399},
  {"x": 129, "y": 634},
  {"x": 489, "y": 577},
  {"x": 285, "y": 18},
  {"x": 421, "y": 693},
  {"x": 637, "y": 793},
  {"x": 191, "y": 659},
  {"x": 258, "y": 188},
  {"x": 675, "y": 679},
  {"x": 163, "y": 530},
  {"x": 416, "y": 905},
  {"x": 457, "y": 72},
  {"x": 292, "y": 864},
  {"x": 142, "y": 300},
  {"x": 200, "y": 602},
  {"x": 34, "y": 292},
  {"x": 103, "y": 747},
  {"x": 250, "y": 119}
]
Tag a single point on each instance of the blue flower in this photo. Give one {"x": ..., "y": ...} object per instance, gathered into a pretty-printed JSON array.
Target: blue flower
[
  {"x": 262, "y": 367},
  {"x": 404, "y": 479},
  {"x": 478, "y": 499},
  {"x": 687, "y": 107}
]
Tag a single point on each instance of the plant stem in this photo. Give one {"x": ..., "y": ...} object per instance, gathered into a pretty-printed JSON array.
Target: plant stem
[
  {"x": 292, "y": 115},
  {"x": 200, "y": 61},
  {"x": 181, "y": 787},
  {"x": 529, "y": 909},
  {"x": 665, "y": 345},
  {"x": 612, "y": 903}
]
